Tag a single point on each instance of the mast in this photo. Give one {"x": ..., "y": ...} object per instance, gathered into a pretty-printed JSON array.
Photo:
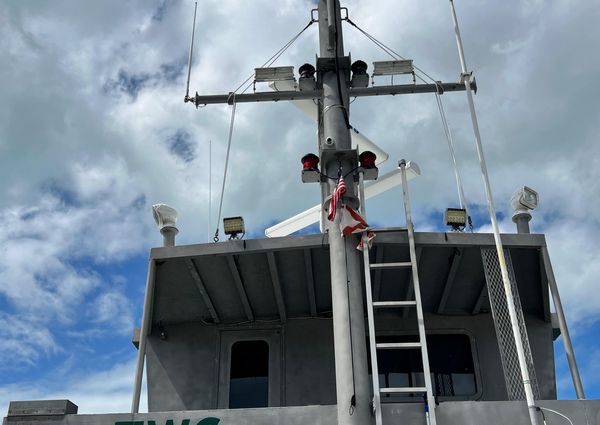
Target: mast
[{"x": 351, "y": 373}]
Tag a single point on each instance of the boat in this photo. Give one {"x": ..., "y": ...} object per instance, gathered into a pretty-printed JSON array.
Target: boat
[{"x": 353, "y": 324}]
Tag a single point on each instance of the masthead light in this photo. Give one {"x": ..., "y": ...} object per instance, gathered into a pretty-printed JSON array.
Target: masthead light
[{"x": 310, "y": 168}]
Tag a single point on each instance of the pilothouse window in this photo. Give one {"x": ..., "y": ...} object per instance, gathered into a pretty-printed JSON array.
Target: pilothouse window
[
  {"x": 450, "y": 360},
  {"x": 249, "y": 374}
]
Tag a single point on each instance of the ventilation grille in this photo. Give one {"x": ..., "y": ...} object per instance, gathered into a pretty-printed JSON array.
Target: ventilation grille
[{"x": 504, "y": 332}]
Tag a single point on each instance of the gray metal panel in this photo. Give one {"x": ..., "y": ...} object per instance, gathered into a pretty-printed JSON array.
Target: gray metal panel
[
  {"x": 176, "y": 296},
  {"x": 580, "y": 412},
  {"x": 221, "y": 286},
  {"x": 254, "y": 271},
  {"x": 41, "y": 408},
  {"x": 292, "y": 273}
]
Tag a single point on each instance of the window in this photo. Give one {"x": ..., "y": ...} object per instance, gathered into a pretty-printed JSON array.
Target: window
[
  {"x": 450, "y": 361},
  {"x": 249, "y": 374}
]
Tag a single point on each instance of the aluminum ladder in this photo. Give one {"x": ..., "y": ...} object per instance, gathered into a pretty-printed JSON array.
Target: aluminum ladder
[{"x": 421, "y": 345}]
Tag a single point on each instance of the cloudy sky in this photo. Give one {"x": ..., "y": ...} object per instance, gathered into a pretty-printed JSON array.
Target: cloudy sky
[{"x": 93, "y": 131}]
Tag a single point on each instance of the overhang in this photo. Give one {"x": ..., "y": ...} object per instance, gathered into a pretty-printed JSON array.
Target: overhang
[{"x": 281, "y": 278}]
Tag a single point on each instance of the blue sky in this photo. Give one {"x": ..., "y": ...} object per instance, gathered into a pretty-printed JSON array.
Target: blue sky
[{"x": 93, "y": 131}]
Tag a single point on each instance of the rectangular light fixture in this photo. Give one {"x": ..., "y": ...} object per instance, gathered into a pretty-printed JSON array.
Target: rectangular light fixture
[
  {"x": 393, "y": 67},
  {"x": 233, "y": 226},
  {"x": 277, "y": 73},
  {"x": 455, "y": 217}
]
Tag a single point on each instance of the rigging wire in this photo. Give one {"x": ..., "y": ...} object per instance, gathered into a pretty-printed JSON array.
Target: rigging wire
[
  {"x": 275, "y": 56},
  {"x": 395, "y": 55},
  {"x": 232, "y": 95},
  {"x": 216, "y": 237}
]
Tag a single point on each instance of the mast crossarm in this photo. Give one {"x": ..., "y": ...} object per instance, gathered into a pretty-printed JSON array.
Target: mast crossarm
[
  {"x": 410, "y": 89},
  {"x": 276, "y": 96},
  {"x": 271, "y": 96}
]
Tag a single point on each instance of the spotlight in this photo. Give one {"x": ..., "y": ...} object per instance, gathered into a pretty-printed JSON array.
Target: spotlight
[{"x": 524, "y": 199}]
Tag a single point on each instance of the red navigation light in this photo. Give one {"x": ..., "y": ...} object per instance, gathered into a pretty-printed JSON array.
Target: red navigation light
[
  {"x": 310, "y": 161},
  {"x": 367, "y": 159}
]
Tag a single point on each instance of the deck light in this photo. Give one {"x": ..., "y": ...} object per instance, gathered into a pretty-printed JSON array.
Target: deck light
[
  {"x": 233, "y": 226},
  {"x": 394, "y": 68},
  {"x": 360, "y": 78},
  {"x": 277, "y": 73},
  {"x": 456, "y": 218},
  {"x": 310, "y": 168}
]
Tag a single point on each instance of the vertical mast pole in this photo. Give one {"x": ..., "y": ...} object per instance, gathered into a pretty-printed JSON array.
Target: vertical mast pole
[
  {"x": 466, "y": 79},
  {"x": 351, "y": 373},
  {"x": 562, "y": 324},
  {"x": 144, "y": 331}
]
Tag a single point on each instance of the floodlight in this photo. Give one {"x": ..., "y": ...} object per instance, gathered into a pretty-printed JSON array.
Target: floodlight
[
  {"x": 277, "y": 73},
  {"x": 234, "y": 226},
  {"x": 456, "y": 218},
  {"x": 393, "y": 67},
  {"x": 164, "y": 216},
  {"x": 525, "y": 198}
]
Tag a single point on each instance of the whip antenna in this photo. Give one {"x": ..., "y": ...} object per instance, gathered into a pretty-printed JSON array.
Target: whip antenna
[{"x": 187, "y": 88}]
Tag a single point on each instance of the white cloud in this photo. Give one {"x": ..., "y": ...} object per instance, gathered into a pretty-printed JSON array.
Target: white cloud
[
  {"x": 23, "y": 341},
  {"x": 104, "y": 391},
  {"x": 115, "y": 309}
]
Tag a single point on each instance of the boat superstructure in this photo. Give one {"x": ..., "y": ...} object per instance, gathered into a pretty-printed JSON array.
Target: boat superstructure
[{"x": 290, "y": 329}]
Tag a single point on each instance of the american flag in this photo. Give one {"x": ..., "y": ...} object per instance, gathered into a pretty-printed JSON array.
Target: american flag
[{"x": 339, "y": 191}]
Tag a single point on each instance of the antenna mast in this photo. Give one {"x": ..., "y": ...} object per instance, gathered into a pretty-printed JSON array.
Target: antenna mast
[{"x": 187, "y": 87}]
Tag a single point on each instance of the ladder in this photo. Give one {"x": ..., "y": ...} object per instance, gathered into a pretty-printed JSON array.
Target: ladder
[{"x": 421, "y": 345}]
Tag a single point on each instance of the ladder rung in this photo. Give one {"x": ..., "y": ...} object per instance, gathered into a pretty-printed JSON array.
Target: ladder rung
[
  {"x": 391, "y": 265},
  {"x": 398, "y": 345},
  {"x": 403, "y": 390},
  {"x": 392, "y": 304}
]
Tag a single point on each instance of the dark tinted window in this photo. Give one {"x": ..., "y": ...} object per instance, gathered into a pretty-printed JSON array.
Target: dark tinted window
[
  {"x": 450, "y": 360},
  {"x": 249, "y": 374}
]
